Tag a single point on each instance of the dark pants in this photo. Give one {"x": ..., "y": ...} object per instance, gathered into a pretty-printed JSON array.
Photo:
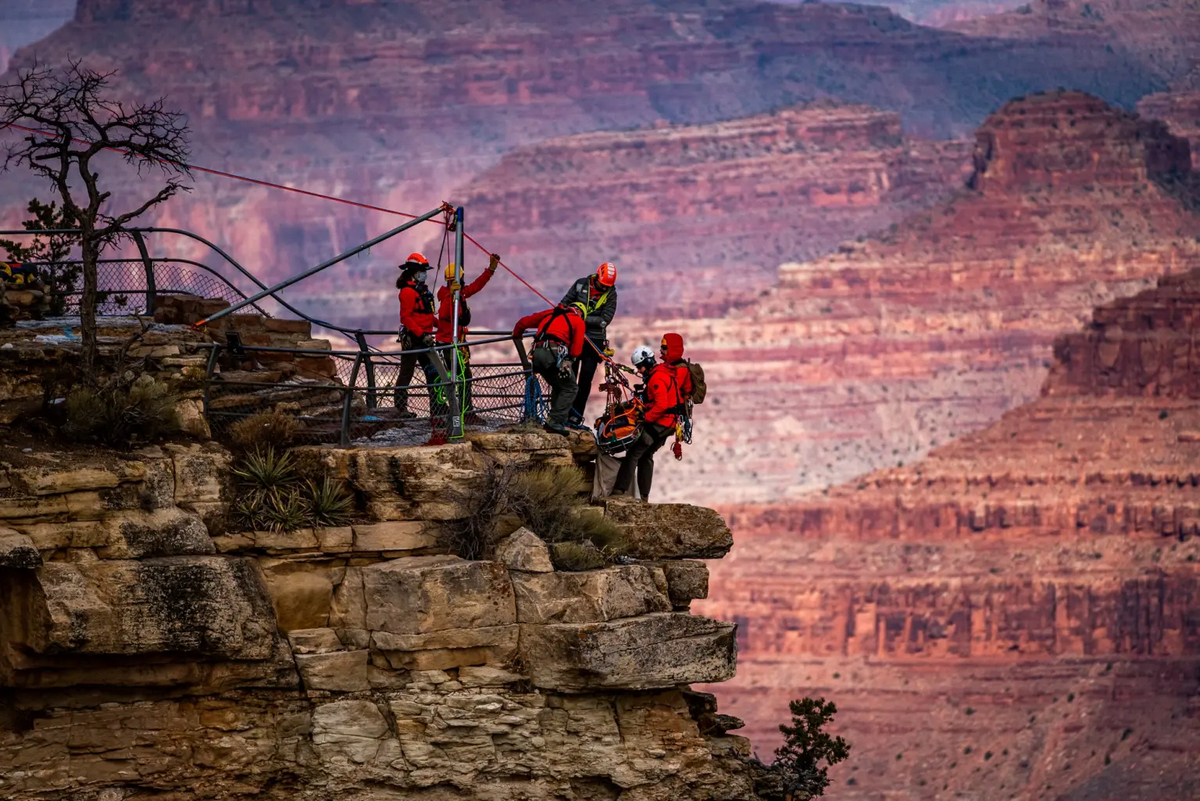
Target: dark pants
[
  {"x": 641, "y": 455},
  {"x": 562, "y": 384},
  {"x": 585, "y": 372},
  {"x": 408, "y": 363}
]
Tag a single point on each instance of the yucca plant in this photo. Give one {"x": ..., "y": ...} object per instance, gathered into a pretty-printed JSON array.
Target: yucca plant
[
  {"x": 285, "y": 510},
  {"x": 266, "y": 470},
  {"x": 329, "y": 504}
]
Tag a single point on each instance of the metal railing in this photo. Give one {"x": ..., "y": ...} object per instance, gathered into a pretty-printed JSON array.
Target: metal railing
[{"x": 348, "y": 396}]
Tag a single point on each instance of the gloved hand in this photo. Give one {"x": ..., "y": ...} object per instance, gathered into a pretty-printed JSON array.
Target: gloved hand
[
  {"x": 493, "y": 262},
  {"x": 427, "y": 341}
]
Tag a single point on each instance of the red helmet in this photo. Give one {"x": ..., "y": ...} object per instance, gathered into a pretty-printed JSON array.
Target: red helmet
[
  {"x": 416, "y": 258},
  {"x": 606, "y": 274}
]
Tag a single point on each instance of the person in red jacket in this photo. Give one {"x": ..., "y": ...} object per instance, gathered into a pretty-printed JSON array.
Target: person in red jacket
[
  {"x": 416, "y": 331},
  {"x": 445, "y": 324},
  {"x": 556, "y": 345},
  {"x": 668, "y": 386}
]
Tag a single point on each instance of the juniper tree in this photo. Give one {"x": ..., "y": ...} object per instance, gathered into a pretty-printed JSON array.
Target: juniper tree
[
  {"x": 69, "y": 123},
  {"x": 806, "y": 746}
]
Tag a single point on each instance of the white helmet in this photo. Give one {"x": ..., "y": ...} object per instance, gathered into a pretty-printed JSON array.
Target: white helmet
[{"x": 642, "y": 355}]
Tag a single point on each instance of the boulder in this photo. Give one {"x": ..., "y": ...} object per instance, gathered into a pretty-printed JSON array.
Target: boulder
[
  {"x": 337, "y": 671},
  {"x": 17, "y": 550},
  {"x": 639, "y": 653},
  {"x": 394, "y": 536},
  {"x": 210, "y": 606},
  {"x": 524, "y": 551},
  {"x": 448, "y": 648},
  {"x": 348, "y": 730},
  {"x": 300, "y": 592},
  {"x": 670, "y": 530},
  {"x": 423, "y": 594},
  {"x": 687, "y": 581},
  {"x": 587, "y": 597}
]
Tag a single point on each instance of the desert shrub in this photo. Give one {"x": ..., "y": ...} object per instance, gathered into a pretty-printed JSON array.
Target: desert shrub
[
  {"x": 267, "y": 470},
  {"x": 273, "y": 495},
  {"x": 329, "y": 504},
  {"x": 265, "y": 429},
  {"x": 577, "y": 556},
  {"x": 806, "y": 746},
  {"x": 121, "y": 415},
  {"x": 549, "y": 500}
]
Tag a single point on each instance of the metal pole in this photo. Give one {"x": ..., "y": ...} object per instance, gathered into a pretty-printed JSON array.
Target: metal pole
[
  {"x": 307, "y": 273},
  {"x": 365, "y": 350},
  {"x": 348, "y": 402},
  {"x": 151, "y": 287},
  {"x": 456, "y": 418},
  {"x": 209, "y": 369}
]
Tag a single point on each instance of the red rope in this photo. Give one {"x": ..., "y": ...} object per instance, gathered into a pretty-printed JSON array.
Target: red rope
[{"x": 319, "y": 196}]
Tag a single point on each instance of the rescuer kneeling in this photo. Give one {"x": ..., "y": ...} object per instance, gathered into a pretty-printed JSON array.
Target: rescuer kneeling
[{"x": 558, "y": 343}]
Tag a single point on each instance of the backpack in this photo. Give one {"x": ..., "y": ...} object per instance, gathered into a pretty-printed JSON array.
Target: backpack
[
  {"x": 619, "y": 427},
  {"x": 699, "y": 389}
]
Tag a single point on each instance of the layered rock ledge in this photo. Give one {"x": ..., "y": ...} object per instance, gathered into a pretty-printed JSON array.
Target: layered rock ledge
[{"x": 148, "y": 650}]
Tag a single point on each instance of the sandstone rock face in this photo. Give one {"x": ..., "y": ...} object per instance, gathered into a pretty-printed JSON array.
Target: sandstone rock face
[
  {"x": 1027, "y": 592},
  {"x": 151, "y": 657},
  {"x": 632, "y": 654},
  {"x": 699, "y": 217},
  {"x": 671, "y": 531},
  {"x": 870, "y": 357}
]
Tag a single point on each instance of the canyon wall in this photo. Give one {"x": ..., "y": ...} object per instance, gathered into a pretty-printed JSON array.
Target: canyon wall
[
  {"x": 872, "y": 355},
  {"x": 149, "y": 648},
  {"x": 1014, "y": 615},
  {"x": 697, "y": 218},
  {"x": 400, "y": 105}
]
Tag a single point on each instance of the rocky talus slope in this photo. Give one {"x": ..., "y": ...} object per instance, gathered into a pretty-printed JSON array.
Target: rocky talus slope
[
  {"x": 701, "y": 216},
  {"x": 872, "y": 355},
  {"x": 147, "y": 651},
  {"x": 1014, "y": 616},
  {"x": 401, "y": 104}
]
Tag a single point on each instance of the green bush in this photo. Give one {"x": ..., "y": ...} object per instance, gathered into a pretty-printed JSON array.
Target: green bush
[
  {"x": 547, "y": 500},
  {"x": 806, "y": 746},
  {"x": 121, "y": 416}
]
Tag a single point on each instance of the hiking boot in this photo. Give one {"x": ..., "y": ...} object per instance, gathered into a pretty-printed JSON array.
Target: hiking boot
[{"x": 554, "y": 428}]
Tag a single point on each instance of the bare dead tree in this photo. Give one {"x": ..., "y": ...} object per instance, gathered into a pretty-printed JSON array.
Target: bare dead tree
[{"x": 72, "y": 122}]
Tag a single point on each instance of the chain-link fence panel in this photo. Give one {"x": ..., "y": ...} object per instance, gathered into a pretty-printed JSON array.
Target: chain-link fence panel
[{"x": 123, "y": 288}]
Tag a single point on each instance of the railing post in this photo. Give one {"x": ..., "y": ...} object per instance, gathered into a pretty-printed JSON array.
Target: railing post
[
  {"x": 365, "y": 350},
  {"x": 348, "y": 401},
  {"x": 151, "y": 288},
  {"x": 209, "y": 369},
  {"x": 456, "y": 412}
]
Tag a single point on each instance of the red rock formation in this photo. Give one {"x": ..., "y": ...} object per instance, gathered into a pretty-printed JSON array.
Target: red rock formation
[
  {"x": 1014, "y": 615},
  {"x": 398, "y": 104},
  {"x": 699, "y": 217},
  {"x": 1162, "y": 36},
  {"x": 870, "y": 356},
  {"x": 1180, "y": 110}
]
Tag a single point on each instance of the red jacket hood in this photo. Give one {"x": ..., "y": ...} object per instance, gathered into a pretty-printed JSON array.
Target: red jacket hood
[{"x": 674, "y": 345}]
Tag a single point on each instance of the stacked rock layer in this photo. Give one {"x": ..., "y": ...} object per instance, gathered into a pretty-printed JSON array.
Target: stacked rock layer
[{"x": 146, "y": 649}]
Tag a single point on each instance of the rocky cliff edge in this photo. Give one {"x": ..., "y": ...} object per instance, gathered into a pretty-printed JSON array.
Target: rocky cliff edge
[{"x": 147, "y": 651}]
